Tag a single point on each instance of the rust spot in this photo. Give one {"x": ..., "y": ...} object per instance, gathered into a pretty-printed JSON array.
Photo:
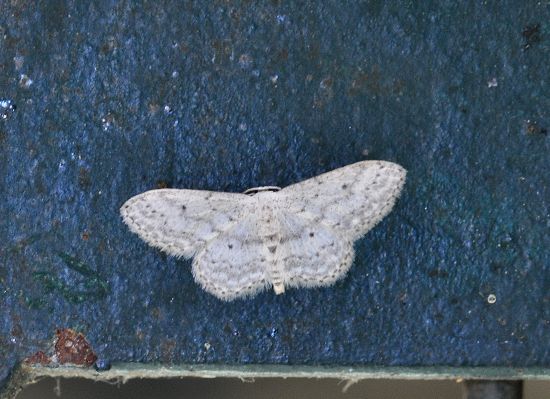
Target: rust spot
[
  {"x": 373, "y": 81},
  {"x": 109, "y": 46},
  {"x": 156, "y": 313},
  {"x": 72, "y": 347},
  {"x": 184, "y": 48},
  {"x": 326, "y": 83},
  {"x": 438, "y": 273},
  {"x": 534, "y": 129},
  {"x": 282, "y": 54},
  {"x": 167, "y": 349},
  {"x": 84, "y": 179},
  {"x": 245, "y": 61},
  {"x": 17, "y": 330},
  {"x": 153, "y": 108},
  {"x": 162, "y": 184},
  {"x": 235, "y": 14},
  {"x": 140, "y": 335},
  {"x": 38, "y": 358},
  {"x": 69, "y": 347},
  {"x": 85, "y": 236}
]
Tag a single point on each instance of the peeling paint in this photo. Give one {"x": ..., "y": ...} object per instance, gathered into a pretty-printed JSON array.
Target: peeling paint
[
  {"x": 38, "y": 358},
  {"x": 72, "y": 347},
  {"x": 69, "y": 348}
]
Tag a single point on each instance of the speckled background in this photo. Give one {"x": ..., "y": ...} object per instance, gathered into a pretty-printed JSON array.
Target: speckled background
[{"x": 101, "y": 101}]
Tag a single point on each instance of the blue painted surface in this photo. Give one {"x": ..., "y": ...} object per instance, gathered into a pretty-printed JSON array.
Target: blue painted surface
[{"x": 99, "y": 102}]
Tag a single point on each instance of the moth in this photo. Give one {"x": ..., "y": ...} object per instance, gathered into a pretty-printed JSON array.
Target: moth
[{"x": 298, "y": 236}]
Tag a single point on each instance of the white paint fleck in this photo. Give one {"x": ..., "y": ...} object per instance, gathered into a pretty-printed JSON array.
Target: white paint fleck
[
  {"x": 245, "y": 61},
  {"x": 24, "y": 81},
  {"x": 7, "y": 107},
  {"x": 326, "y": 83},
  {"x": 106, "y": 124},
  {"x": 281, "y": 19},
  {"x": 18, "y": 60},
  {"x": 492, "y": 83},
  {"x": 61, "y": 166}
]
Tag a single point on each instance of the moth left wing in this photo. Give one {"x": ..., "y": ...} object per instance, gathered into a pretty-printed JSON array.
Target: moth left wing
[
  {"x": 181, "y": 222},
  {"x": 236, "y": 263},
  {"x": 351, "y": 200}
]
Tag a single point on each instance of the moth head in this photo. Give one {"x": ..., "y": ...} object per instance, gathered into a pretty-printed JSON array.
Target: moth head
[{"x": 256, "y": 190}]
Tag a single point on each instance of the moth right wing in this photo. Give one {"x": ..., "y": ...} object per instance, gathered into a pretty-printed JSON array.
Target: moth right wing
[
  {"x": 181, "y": 222},
  {"x": 351, "y": 200},
  {"x": 311, "y": 254}
]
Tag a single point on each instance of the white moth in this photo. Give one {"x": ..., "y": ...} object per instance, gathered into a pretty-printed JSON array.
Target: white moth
[{"x": 298, "y": 236}]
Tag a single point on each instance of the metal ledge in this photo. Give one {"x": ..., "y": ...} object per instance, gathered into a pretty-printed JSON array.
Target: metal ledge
[{"x": 123, "y": 372}]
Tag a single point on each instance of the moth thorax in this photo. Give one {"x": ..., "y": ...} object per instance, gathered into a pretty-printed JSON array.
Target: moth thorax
[{"x": 256, "y": 190}]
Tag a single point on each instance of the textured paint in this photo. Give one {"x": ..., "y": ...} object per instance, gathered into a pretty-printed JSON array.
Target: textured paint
[{"x": 131, "y": 96}]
